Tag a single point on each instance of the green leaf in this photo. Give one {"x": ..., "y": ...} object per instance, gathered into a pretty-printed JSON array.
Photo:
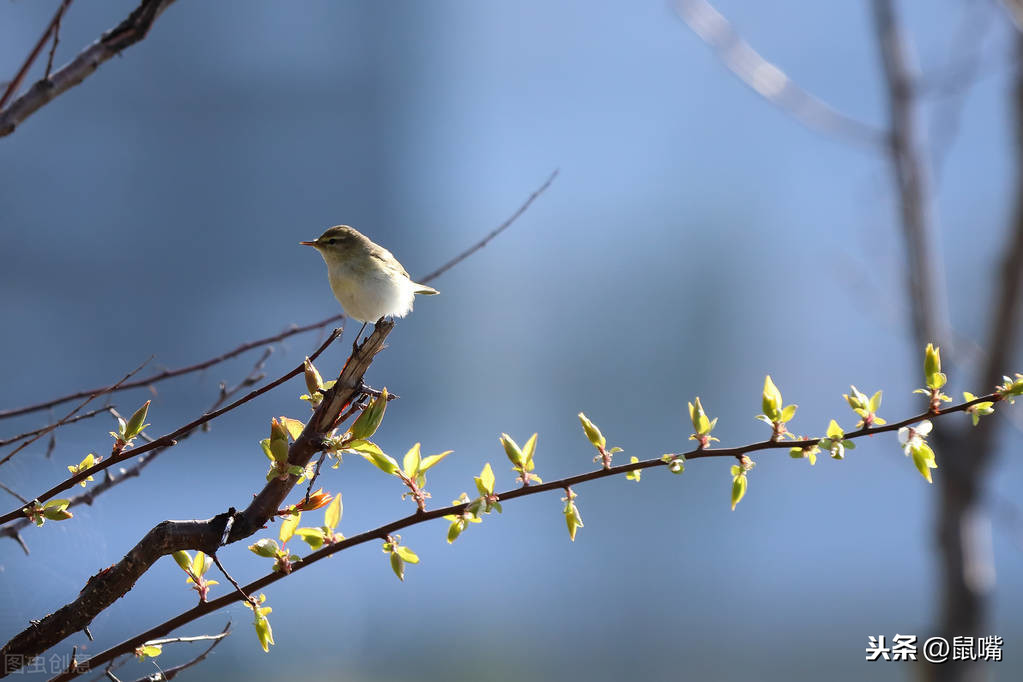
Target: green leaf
[
  {"x": 398, "y": 566},
  {"x": 485, "y": 481},
  {"x": 288, "y": 526},
  {"x": 738, "y": 486},
  {"x": 407, "y": 554},
  {"x": 771, "y": 401},
  {"x": 635, "y": 474},
  {"x": 267, "y": 547},
  {"x": 313, "y": 380},
  {"x": 385, "y": 463},
  {"x": 528, "y": 450},
  {"x": 135, "y": 423},
  {"x": 314, "y": 537},
  {"x": 594, "y": 435},
  {"x": 788, "y": 413},
  {"x": 835, "y": 432},
  {"x": 429, "y": 461},
  {"x": 332, "y": 516},
  {"x": 294, "y": 427},
  {"x": 148, "y": 651},
  {"x": 875, "y": 402},
  {"x": 511, "y": 448},
  {"x": 183, "y": 560},
  {"x": 410, "y": 464},
  {"x": 369, "y": 421}
]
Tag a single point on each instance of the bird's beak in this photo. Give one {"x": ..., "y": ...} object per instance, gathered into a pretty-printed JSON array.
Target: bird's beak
[{"x": 308, "y": 243}]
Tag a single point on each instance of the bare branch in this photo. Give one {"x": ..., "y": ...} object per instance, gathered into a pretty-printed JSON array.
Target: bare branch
[
  {"x": 72, "y": 413},
  {"x": 170, "y": 373},
  {"x": 500, "y": 228},
  {"x": 125, "y": 34},
  {"x": 769, "y": 81},
  {"x": 43, "y": 430}
]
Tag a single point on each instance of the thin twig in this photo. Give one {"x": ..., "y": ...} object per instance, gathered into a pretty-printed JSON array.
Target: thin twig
[
  {"x": 15, "y": 83},
  {"x": 12, "y": 493},
  {"x": 50, "y": 427},
  {"x": 56, "y": 38},
  {"x": 500, "y": 228},
  {"x": 72, "y": 413},
  {"x": 418, "y": 517},
  {"x": 170, "y": 373},
  {"x": 12, "y": 530},
  {"x": 171, "y": 673},
  {"x": 769, "y": 81}
]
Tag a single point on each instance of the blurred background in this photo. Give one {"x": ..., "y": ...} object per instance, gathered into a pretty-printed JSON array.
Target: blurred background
[{"x": 696, "y": 239}]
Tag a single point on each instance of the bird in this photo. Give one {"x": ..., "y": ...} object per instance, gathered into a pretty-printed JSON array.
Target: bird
[{"x": 367, "y": 280}]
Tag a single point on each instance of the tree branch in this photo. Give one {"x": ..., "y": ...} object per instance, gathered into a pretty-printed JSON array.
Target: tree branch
[
  {"x": 169, "y": 536},
  {"x": 127, "y": 33},
  {"x": 167, "y": 439},
  {"x": 500, "y": 228},
  {"x": 417, "y": 517},
  {"x": 170, "y": 373},
  {"x": 770, "y": 82}
]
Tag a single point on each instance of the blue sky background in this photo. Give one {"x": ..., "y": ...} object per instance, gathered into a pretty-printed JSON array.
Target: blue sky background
[{"x": 696, "y": 239}]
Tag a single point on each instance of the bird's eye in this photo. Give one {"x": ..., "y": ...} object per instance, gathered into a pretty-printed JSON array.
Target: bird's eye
[{"x": 331, "y": 240}]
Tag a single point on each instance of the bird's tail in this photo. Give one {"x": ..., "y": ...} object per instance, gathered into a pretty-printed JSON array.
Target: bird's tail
[{"x": 423, "y": 289}]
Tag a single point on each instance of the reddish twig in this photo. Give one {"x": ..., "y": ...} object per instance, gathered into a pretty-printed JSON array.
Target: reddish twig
[{"x": 15, "y": 83}]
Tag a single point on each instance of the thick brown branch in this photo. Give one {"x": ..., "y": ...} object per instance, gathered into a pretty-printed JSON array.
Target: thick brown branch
[
  {"x": 124, "y": 35},
  {"x": 169, "y": 536}
]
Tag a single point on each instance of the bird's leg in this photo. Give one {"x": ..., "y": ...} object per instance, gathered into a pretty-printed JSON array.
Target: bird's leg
[{"x": 355, "y": 344}]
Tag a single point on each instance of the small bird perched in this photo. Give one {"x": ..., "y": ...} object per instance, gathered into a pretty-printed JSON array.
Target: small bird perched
[{"x": 366, "y": 278}]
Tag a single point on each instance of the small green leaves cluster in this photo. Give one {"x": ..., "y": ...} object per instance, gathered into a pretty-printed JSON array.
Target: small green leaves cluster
[
  {"x": 702, "y": 425},
  {"x": 865, "y": 407},
  {"x": 53, "y": 510},
  {"x": 522, "y": 458},
  {"x": 195, "y": 568},
  {"x": 981, "y": 409},
  {"x": 598, "y": 441},
  {"x": 315, "y": 384},
  {"x": 1010, "y": 388},
  {"x": 485, "y": 503},
  {"x": 262, "y": 623},
  {"x": 776, "y": 414},
  {"x": 934, "y": 380},
  {"x": 739, "y": 482},
  {"x": 89, "y": 462},
  {"x": 914, "y": 444},
  {"x": 268, "y": 547},
  {"x": 276, "y": 449},
  {"x": 400, "y": 555},
  {"x": 572, "y": 518},
  {"x": 834, "y": 441},
  {"x": 676, "y": 463},
  {"x": 412, "y": 471},
  {"x": 127, "y": 431}
]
